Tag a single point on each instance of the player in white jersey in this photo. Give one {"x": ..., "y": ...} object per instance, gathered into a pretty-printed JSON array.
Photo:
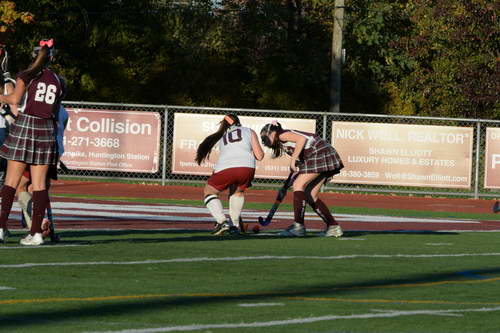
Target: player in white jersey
[
  {"x": 235, "y": 169},
  {"x": 7, "y": 112}
]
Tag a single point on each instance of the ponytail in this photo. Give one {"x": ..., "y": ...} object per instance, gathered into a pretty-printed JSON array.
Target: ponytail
[
  {"x": 205, "y": 148},
  {"x": 41, "y": 61}
]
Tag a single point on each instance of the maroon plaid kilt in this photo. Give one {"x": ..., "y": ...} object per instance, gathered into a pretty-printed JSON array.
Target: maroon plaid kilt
[
  {"x": 31, "y": 140},
  {"x": 321, "y": 157}
]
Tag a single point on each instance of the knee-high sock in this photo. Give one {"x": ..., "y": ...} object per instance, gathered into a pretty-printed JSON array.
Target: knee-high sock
[
  {"x": 236, "y": 203},
  {"x": 299, "y": 206},
  {"x": 40, "y": 202},
  {"x": 322, "y": 210},
  {"x": 8, "y": 194},
  {"x": 214, "y": 205}
]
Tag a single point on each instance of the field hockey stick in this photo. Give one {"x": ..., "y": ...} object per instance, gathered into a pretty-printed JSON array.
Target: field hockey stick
[
  {"x": 63, "y": 167},
  {"x": 52, "y": 233},
  {"x": 279, "y": 198}
]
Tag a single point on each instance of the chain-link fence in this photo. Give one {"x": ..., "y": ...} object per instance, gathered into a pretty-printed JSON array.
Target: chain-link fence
[{"x": 180, "y": 129}]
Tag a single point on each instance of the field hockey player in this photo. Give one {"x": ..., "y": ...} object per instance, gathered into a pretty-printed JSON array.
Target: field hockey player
[
  {"x": 44, "y": 92},
  {"x": 318, "y": 161},
  {"x": 239, "y": 148}
]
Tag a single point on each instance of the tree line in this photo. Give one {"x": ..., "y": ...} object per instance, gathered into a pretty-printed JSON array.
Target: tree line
[{"x": 410, "y": 57}]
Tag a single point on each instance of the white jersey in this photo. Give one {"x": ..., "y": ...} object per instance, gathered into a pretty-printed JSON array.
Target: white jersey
[
  {"x": 5, "y": 82},
  {"x": 235, "y": 149}
]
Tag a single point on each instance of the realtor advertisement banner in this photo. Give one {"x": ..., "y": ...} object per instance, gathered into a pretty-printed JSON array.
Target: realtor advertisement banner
[
  {"x": 191, "y": 129},
  {"x": 492, "y": 158},
  {"x": 406, "y": 155},
  {"x": 112, "y": 140}
]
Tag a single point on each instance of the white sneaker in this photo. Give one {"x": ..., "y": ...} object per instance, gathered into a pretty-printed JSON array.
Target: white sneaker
[
  {"x": 4, "y": 234},
  {"x": 34, "y": 240},
  {"x": 294, "y": 230},
  {"x": 333, "y": 231}
]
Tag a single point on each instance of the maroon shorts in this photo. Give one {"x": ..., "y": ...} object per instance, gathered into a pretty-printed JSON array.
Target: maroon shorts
[{"x": 241, "y": 177}]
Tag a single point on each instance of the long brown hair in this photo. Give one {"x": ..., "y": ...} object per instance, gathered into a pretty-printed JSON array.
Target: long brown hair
[
  {"x": 204, "y": 149},
  {"x": 276, "y": 146},
  {"x": 41, "y": 61}
]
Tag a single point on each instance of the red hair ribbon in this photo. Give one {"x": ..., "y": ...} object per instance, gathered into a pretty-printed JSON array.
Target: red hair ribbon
[
  {"x": 49, "y": 43},
  {"x": 229, "y": 120}
]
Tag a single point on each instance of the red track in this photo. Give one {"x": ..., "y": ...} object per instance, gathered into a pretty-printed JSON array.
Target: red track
[{"x": 199, "y": 220}]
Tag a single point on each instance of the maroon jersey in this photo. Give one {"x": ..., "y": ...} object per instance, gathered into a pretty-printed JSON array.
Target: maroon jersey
[{"x": 43, "y": 94}]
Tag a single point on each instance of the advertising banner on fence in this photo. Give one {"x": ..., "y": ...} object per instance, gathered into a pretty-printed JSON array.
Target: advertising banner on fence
[
  {"x": 112, "y": 140},
  {"x": 406, "y": 155},
  {"x": 191, "y": 129},
  {"x": 492, "y": 158}
]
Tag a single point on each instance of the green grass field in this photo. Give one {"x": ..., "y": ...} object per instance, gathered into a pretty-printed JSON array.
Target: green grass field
[{"x": 190, "y": 281}]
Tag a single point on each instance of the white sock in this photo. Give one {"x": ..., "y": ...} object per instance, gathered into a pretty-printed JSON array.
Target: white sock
[
  {"x": 235, "y": 207},
  {"x": 23, "y": 198},
  {"x": 214, "y": 205}
]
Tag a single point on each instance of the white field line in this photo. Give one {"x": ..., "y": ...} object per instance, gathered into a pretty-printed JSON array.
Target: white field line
[
  {"x": 208, "y": 259},
  {"x": 369, "y": 315},
  {"x": 254, "y": 305},
  {"x": 69, "y": 211},
  {"x": 6, "y": 288},
  {"x": 47, "y": 245}
]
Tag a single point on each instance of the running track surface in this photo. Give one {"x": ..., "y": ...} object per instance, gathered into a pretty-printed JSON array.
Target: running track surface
[{"x": 73, "y": 213}]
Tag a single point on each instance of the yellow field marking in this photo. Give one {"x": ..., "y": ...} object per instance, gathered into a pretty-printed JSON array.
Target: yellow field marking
[
  {"x": 278, "y": 294},
  {"x": 113, "y": 298}
]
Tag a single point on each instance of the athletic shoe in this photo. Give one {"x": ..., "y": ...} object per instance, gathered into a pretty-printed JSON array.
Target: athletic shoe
[
  {"x": 34, "y": 240},
  {"x": 294, "y": 230},
  {"x": 234, "y": 231},
  {"x": 4, "y": 234},
  {"x": 333, "y": 231},
  {"x": 54, "y": 238},
  {"x": 220, "y": 228},
  {"x": 46, "y": 227}
]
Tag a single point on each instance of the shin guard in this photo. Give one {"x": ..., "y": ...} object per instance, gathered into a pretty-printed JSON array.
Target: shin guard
[{"x": 299, "y": 206}]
